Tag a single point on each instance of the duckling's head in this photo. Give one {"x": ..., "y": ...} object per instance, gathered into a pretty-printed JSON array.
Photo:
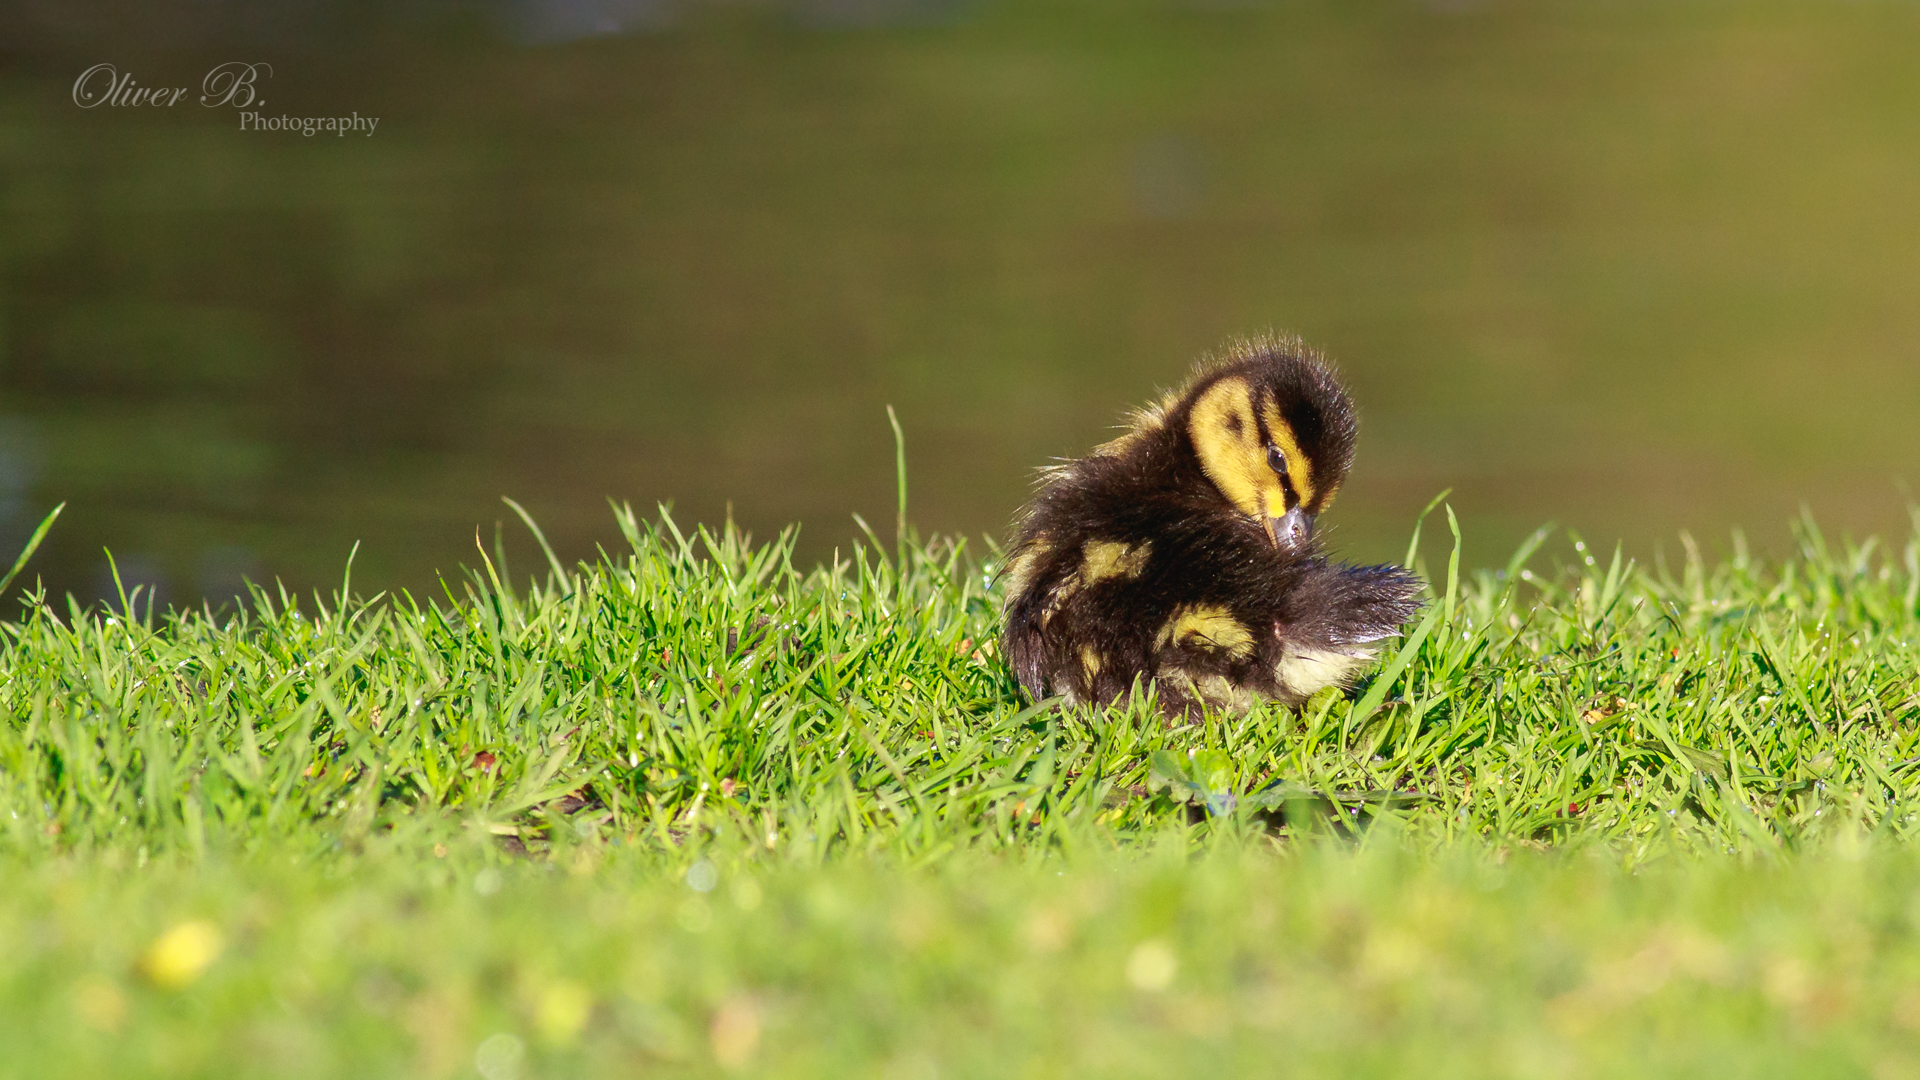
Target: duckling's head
[{"x": 1274, "y": 430}]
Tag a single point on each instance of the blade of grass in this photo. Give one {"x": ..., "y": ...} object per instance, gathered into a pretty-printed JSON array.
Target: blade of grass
[{"x": 33, "y": 544}]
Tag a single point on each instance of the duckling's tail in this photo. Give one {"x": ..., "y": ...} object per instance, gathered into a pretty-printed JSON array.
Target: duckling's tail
[{"x": 1336, "y": 605}]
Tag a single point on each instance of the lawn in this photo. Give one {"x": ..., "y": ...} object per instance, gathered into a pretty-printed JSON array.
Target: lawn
[{"x": 693, "y": 810}]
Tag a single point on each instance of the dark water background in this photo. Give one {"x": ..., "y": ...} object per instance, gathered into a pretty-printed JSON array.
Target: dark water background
[{"x": 1635, "y": 267}]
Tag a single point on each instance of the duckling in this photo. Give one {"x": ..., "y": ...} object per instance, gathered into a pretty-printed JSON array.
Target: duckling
[{"x": 1182, "y": 554}]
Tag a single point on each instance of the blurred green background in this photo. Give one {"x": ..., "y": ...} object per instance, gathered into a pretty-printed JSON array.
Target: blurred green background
[{"x": 1635, "y": 267}]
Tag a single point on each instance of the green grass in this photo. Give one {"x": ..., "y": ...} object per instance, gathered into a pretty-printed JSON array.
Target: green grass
[{"x": 690, "y": 809}]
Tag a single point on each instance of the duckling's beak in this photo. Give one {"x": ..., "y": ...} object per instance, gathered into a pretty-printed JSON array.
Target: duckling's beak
[{"x": 1291, "y": 531}]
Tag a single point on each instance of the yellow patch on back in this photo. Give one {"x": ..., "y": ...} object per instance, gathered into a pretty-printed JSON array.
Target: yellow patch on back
[
  {"x": 1020, "y": 568},
  {"x": 1111, "y": 558},
  {"x": 1061, "y": 592},
  {"x": 1117, "y": 447},
  {"x": 1090, "y": 662},
  {"x": 1206, "y": 626},
  {"x": 1140, "y": 423},
  {"x": 1021, "y": 573}
]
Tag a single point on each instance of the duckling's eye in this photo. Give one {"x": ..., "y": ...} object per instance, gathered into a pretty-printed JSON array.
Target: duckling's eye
[{"x": 1277, "y": 460}]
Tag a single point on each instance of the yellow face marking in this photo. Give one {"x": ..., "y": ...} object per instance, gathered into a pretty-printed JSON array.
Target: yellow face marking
[
  {"x": 1207, "y": 626},
  {"x": 1111, "y": 558},
  {"x": 1299, "y": 469},
  {"x": 1235, "y": 458},
  {"x": 1227, "y": 440}
]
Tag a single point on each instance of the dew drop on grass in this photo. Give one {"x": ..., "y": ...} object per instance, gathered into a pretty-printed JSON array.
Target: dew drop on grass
[
  {"x": 500, "y": 1057},
  {"x": 702, "y": 876}
]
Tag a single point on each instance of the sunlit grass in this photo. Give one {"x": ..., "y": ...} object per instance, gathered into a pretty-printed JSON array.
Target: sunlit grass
[
  {"x": 692, "y": 807},
  {"x": 698, "y": 684}
]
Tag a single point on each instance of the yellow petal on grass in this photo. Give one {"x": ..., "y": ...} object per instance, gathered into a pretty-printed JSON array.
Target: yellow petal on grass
[
  {"x": 565, "y": 1007},
  {"x": 182, "y": 954},
  {"x": 1152, "y": 965}
]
